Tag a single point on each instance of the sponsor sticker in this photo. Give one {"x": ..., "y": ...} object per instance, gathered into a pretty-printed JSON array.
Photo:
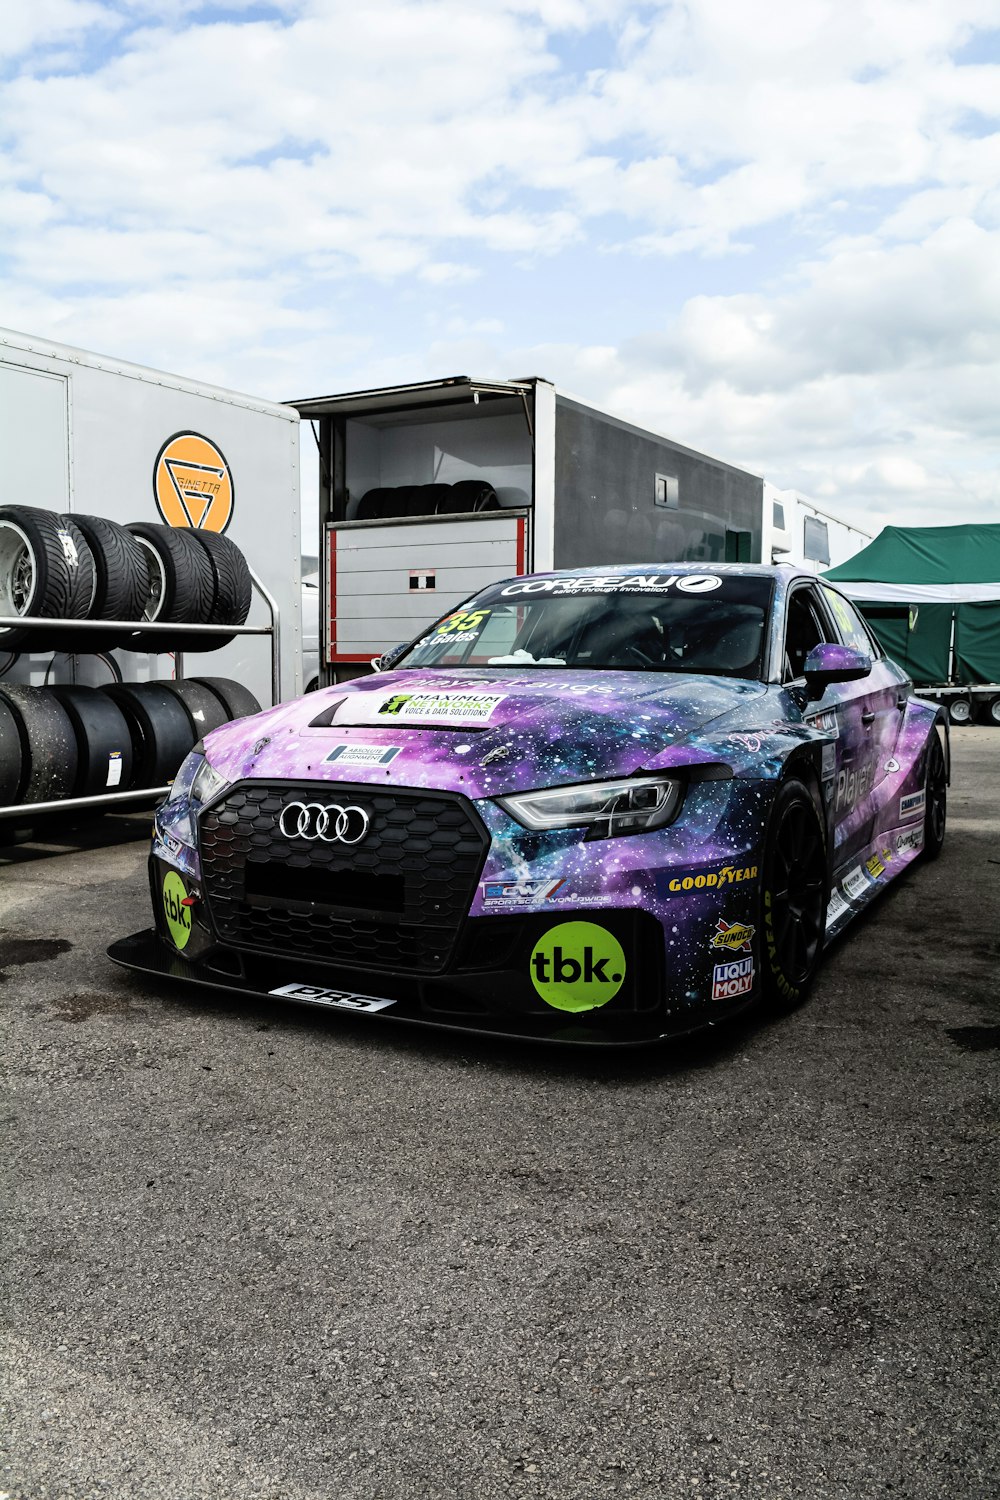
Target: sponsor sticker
[
  {"x": 913, "y": 805},
  {"x": 911, "y": 842},
  {"x": 732, "y": 979},
  {"x": 177, "y": 909},
  {"x": 193, "y": 483},
  {"x": 827, "y": 721},
  {"x": 114, "y": 768},
  {"x": 713, "y": 879},
  {"x": 874, "y": 866},
  {"x": 463, "y": 624},
  {"x": 528, "y": 892},
  {"x": 365, "y": 755},
  {"x": 855, "y": 884},
  {"x": 853, "y": 785},
  {"x": 736, "y": 936},
  {"x": 624, "y": 583},
  {"x": 836, "y": 907},
  {"x": 829, "y": 765},
  {"x": 69, "y": 547},
  {"x": 442, "y": 708},
  {"x": 577, "y": 966},
  {"x": 312, "y": 994},
  {"x": 891, "y": 766}
]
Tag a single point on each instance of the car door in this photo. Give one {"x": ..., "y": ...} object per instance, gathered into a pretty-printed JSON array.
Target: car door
[
  {"x": 840, "y": 711},
  {"x": 885, "y": 692}
]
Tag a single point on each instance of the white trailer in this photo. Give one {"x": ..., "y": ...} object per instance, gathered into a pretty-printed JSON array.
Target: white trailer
[
  {"x": 428, "y": 491},
  {"x": 795, "y": 530},
  {"x": 80, "y": 433}
]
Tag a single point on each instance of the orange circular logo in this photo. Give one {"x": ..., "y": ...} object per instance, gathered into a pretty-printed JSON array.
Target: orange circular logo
[{"x": 193, "y": 483}]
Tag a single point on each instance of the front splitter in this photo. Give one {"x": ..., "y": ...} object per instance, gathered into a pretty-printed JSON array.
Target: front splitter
[{"x": 145, "y": 953}]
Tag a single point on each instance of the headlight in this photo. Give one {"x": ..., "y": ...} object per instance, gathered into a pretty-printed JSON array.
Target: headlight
[
  {"x": 196, "y": 783},
  {"x": 606, "y": 809}
]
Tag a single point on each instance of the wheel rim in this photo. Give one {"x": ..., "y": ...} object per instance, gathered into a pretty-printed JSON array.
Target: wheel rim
[
  {"x": 797, "y": 897},
  {"x": 961, "y": 711},
  {"x": 17, "y": 571},
  {"x": 936, "y": 793},
  {"x": 157, "y": 580},
  {"x": 993, "y": 712}
]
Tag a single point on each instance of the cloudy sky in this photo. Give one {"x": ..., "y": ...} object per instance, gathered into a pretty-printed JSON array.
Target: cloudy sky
[{"x": 768, "y": 228}]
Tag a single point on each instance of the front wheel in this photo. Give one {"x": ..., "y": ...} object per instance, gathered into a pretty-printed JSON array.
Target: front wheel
[
  {"x": 794, "y": 897},
  {"x": 935, "y": 799}
]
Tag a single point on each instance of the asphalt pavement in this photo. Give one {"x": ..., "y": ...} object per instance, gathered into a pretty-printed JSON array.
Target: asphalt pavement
[{"x": 258, "y": 1253}]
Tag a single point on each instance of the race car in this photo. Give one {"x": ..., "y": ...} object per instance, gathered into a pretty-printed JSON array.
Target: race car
[{"x": 599, "y": 806}]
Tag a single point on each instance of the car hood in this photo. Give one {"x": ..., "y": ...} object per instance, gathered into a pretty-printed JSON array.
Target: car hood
[{"x": 482, "y": 733}]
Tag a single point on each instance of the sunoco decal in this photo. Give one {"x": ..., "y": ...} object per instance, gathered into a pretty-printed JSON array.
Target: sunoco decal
[
  {"x": 736, "y": 936},
  {"x": 193, "y": 483},
  {"x": 364, "y": 755},
  {"x": 713, "y": 879},
  {"x": 732, "y": 979},
  {"x": 912, "y": 806},
  {"x": 629, "y": 583},
  {"x": 442, "y": 708}
]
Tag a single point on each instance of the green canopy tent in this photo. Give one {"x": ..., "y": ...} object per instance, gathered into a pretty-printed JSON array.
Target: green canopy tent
[{"x": 932, "y": 594}]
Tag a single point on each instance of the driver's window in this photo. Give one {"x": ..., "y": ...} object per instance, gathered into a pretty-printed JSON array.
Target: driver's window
[{"x": 806, "y": 628}]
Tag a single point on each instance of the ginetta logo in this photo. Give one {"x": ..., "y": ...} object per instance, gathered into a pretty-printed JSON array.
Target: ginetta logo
[
  {"x": 327, "y": 822},
  {"x": 192, "y": 483}
]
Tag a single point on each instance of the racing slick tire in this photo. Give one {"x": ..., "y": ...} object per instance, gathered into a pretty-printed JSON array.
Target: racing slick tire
[
  {"x": 10, "y": 755},
  {"x": 232, "y": 590},
  {"x": 48, "y": 744},
  {"x": 237, "y": 700},
  {"x": 103, "y": 741},
  {"x": 793, "y": 897},
  {"x": 935, "y": 799},
  {"x": 180, "y": 586},
  {"x": 204, "y": 708},
  {"x": 46, "y": 568},
  {"x": 160, "y": 728}
]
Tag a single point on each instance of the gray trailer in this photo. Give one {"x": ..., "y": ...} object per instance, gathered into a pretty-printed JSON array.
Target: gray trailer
[{"x": 429, "y": 491}]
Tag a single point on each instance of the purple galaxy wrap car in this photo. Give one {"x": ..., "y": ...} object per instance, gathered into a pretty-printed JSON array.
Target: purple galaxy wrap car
[{"x": 589, "y": 806}]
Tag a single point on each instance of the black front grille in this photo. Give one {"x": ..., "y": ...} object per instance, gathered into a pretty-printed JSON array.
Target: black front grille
[{"x": 396, "y": 900}]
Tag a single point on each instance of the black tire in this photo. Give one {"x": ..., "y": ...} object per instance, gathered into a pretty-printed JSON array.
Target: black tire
[
  {"x": 935, "y": 799},
  {"x": 103, "y": 741},
  {"x": 204, "y": 708},
  {"x": 232, "y": 590},
  {"x": 473, "y": 495},
  {"x": 46, "y": 569},
  {"x": 160, "y": 728},
  {"x": 960, "y": 710},
  {"x": 11, "y": 759},
  {"x": 237, "y": 700},
  {"x": 180, "y": 584},
  {"x": 989, "y": 711},
  {"x": 794, "y": 897},
  {"x": 48, "y": 744}
]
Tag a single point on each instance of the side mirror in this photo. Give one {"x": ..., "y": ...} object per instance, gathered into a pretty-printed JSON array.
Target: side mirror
[
  {"x": 388, "y": 659},
  {"x": 828, "y": 663}
]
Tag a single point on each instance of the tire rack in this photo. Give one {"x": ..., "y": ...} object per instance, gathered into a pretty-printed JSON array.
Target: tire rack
[{"x": 142, "y": 627}]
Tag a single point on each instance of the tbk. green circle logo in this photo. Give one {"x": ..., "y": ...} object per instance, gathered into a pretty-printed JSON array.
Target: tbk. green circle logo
[
  {"x": 578, "y": 966},
  {"x": 177, "y": 914}
]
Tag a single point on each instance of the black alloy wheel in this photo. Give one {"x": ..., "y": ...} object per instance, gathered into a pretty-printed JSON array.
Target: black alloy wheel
[
  {"x": 935, "y": 799},
  {"x": 794, "y": 896}
]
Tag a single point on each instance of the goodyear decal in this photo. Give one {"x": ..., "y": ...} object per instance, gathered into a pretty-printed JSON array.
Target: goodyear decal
[
  {"x": 714, "y": 879},
  {"x": 736, "y": 936},
  {"x": 193, "y": 483}
]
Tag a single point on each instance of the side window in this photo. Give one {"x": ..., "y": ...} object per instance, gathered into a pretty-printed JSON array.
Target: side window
[
  {"x": 806, "y": 628},
  {"x": 850, "y": 624}
]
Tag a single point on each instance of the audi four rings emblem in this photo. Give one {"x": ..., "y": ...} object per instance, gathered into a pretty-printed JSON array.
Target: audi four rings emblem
[{"x": 327, "y": 821}]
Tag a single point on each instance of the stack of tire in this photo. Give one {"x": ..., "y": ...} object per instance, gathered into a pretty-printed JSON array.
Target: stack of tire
[
  {"x": 68, "y": 741},
  {"x": 66, "y": 568}
]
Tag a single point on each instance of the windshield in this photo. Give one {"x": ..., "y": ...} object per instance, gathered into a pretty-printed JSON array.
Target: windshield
[{"x": 655, "y": 622}]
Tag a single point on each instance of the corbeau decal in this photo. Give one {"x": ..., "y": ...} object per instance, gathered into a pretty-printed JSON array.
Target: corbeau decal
[
  {"x": 736, "y": 936},
  {"x": 578, "y": 966},
  {"x": 628, "y": 583},
  {"x": 193, "y": 483},
  {"x": 728, "y": 875},
  {"x": 442, "y": 708},
  {"x": 732, "y": 979}
]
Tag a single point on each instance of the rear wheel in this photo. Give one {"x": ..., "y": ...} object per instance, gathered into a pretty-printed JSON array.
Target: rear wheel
[
  {"x": 960, "y": 710},
  {"x": 935, "y": 799},
  {"x": 989, "y": 712},
  {"x": 794, "y": 896}
]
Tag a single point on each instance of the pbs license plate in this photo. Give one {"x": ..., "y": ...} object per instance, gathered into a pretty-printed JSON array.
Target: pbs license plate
[{"x": 311, "y": 994}]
